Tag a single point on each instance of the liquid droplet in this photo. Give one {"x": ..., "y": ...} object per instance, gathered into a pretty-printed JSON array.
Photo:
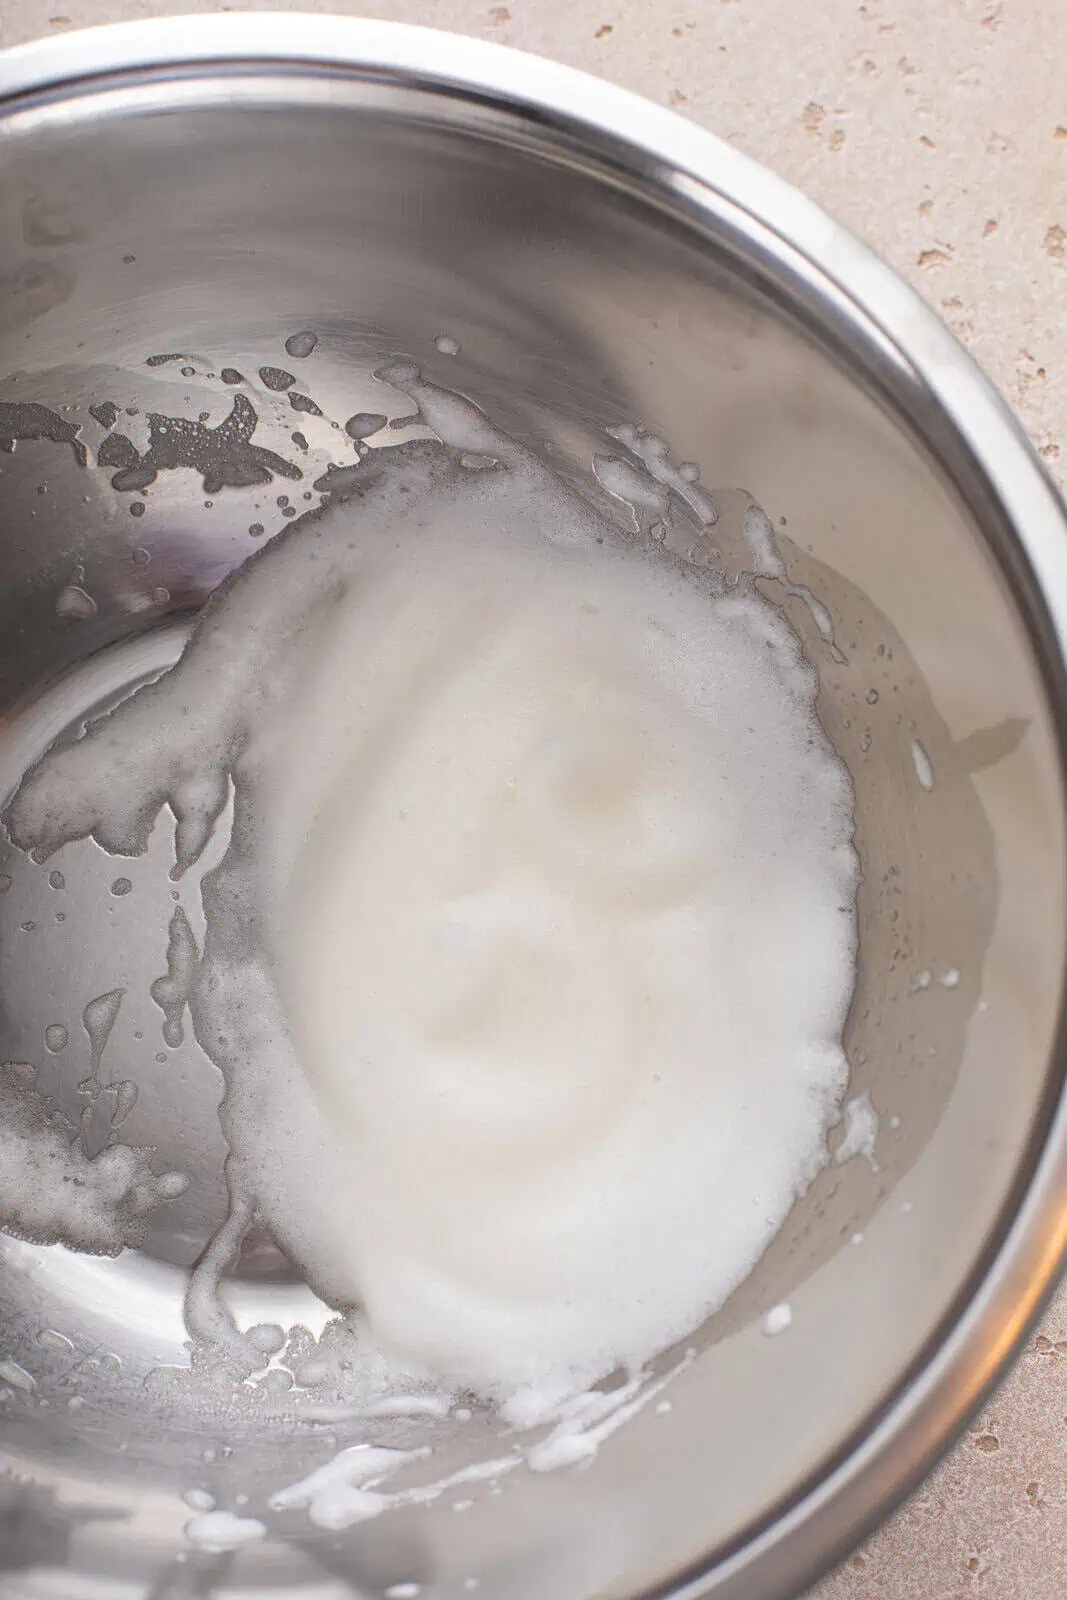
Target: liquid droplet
[
  {"x": 55, "y": 1037},
  {"x": 74, "y": 601},
  {"x": 121, "y": 886},
  {"x": 199, "y": 1500},
  {"x": 18, "y": 1378},
  {"x": 56, "y": 880},
  {"x": 125, "y": 1094},
  {"x": 49, "y": 1339},
  {"x": 447, "y": 345},
  {"x": 98, "y": 1019}
]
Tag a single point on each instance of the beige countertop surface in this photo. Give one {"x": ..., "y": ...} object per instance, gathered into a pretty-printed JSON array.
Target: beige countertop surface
[{"x": 937, "y": 130}]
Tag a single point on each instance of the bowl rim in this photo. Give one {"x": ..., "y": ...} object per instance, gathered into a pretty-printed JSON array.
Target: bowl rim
[{"x": 691, "y": 170}]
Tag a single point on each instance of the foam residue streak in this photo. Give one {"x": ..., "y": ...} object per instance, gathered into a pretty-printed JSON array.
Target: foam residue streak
[
  {"x": 530, "y": 950},
  {"x": 98, "y": 1114},
  {"x": 681, "y": 478},
  {"x": 924, "y": 767},
  {"x": 171, "y": 993}
]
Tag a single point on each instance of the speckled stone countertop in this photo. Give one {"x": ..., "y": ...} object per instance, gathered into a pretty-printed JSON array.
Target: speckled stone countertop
[{"x": 936, "y": 129}]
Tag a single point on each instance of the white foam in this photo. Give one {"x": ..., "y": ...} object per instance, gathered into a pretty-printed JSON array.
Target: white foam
[
  {"x": 778, "y": 1319},
  {"x": 346, "y": 1489},
  {"x": 861, "y": 1131},
  {"x": 222, "y": 1531},
  {"x": 527, "y": 947},
  {"x": 266, "y": 1337},
  {"x": 924, "y": 768},
  {"x": 586, "y": 1421},
  {"x": 342, "y": 1492},
  {"x": 50, "y": 1190},
  {"x": 534, "y": 936},
  {"x": 171, "y": 993}
]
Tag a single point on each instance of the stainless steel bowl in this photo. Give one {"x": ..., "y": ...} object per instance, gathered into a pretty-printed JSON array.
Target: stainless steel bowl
[{"x": 202, "y": 190}]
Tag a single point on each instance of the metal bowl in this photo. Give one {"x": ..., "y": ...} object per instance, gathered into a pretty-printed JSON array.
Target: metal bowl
[{"x": 177, "y": 201}]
